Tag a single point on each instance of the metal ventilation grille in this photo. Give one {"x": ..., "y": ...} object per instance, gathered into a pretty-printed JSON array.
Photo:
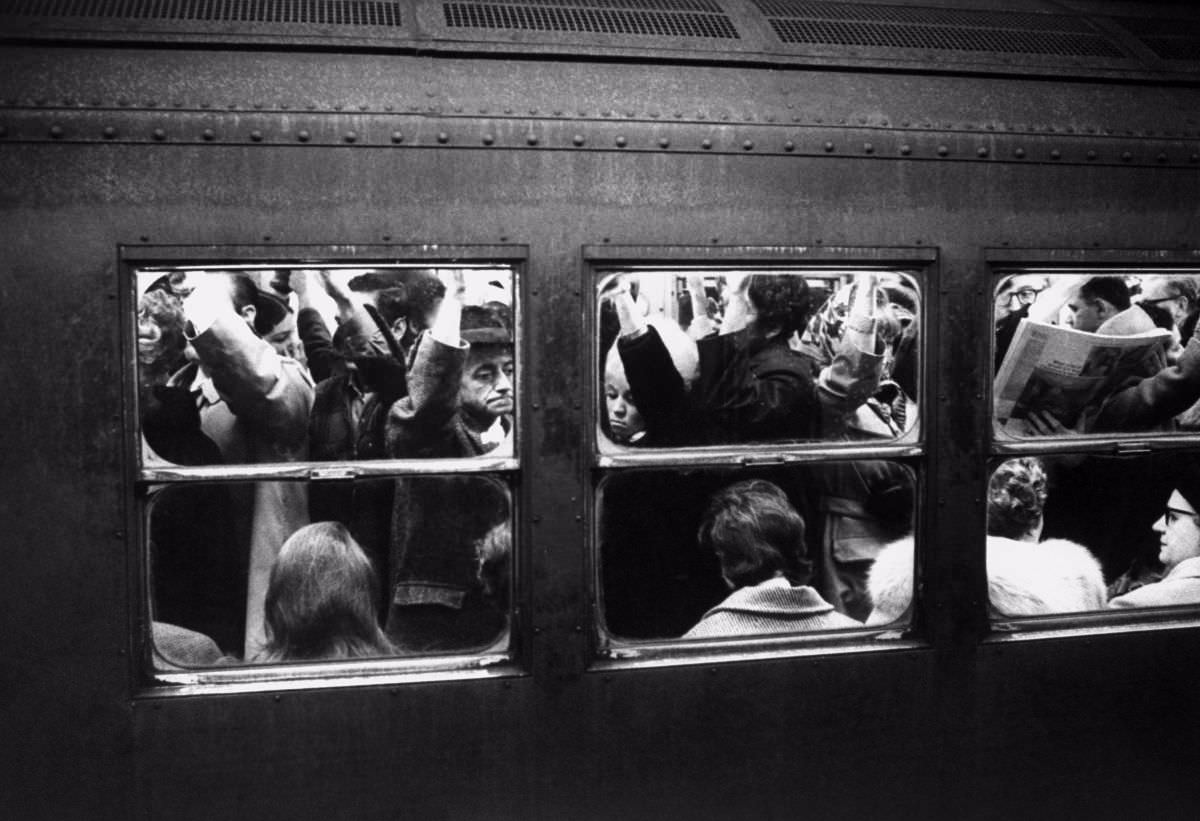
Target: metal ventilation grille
[
  {"x": 1168, "y": 39},
  {"x": 329, "y": 12},
  {"x": 836, "y": 24},
  {"x": 662, "y": 18}
]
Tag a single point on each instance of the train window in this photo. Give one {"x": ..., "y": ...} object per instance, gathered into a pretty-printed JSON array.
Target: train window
[
  {"x": 403, "y": 566},
  {"x": 254, "y": 348},
  {"x": 718, "y": 357},
  {"x": 327, "y": 457},
  {"x": 1077, "y": 532},
  {"x": 699, "y": 365},
  {"x": 752, "y": 552},
  {"x": 1096, "y": 353}
]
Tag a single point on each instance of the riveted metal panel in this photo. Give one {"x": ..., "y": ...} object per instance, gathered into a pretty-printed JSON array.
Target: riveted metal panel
[{"x": 954, "y": 724}]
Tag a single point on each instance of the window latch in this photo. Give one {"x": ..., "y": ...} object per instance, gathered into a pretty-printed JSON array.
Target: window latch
[{"x": 332, "y": 474}]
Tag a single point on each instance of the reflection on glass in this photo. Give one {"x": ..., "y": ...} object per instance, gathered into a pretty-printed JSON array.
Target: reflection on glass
[
  {"x": 387, "y": 567},
  {"x": 278, "y": 365},
  {"x": 1075, "y": 533},
  {"x": 694, "y": 357},
  {"x": 779, "y": 550},
  {"x": 1096, "y": 353}
]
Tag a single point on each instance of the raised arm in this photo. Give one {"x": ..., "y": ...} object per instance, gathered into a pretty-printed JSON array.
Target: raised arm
[
  {"x": 658, "y": 388},
  {"x": 415, "y": 421},
  {"x": 260, "y": 387},
  {"x": 857, "y": 365}
]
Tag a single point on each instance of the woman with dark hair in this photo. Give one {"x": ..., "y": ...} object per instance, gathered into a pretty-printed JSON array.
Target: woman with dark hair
[
  {"x": 320, "y": 602},
  {"x": 1016, "y": 499},
  {"x": 758, "y": 538}
]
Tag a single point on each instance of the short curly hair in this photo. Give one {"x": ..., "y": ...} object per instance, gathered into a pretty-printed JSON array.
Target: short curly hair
[
  {"x": 1016, "y": 497},
  {"x": 781, "y": 300},
  {"x": 756, "y": 533}
]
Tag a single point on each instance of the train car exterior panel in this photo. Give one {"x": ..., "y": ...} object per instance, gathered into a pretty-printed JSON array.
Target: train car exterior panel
[{"x": 418, "y": 158}]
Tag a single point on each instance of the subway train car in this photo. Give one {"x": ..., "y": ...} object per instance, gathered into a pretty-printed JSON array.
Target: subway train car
[{"x": 589, "y": 409}]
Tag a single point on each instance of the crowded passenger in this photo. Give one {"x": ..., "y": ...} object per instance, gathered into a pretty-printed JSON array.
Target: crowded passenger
[
  {"x": 752, "y": 386},
  {"x": 659, "y": 418},
  {"x": 758, "y": 538},
  {"x": 1026, "y": 576},
  {"x": 460, "y": 404},
  {"x": 254, "y": 405},
  {"x": 1178, "y": 530},
  {"x": 891, "y": 410},
  {"x": 320, "y": 603},
  {"x": 1014, "y": 296},
  {"x": 862, "y": 505}
]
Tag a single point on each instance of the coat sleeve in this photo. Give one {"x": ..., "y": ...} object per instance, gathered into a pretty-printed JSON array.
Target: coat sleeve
[
  {"x": 851, "y": 379},
  {"x": 658, "y": 389},
  {"x": 414, "y": 421},
  {"x": 1155, "y": 399},
  {"x": 318, "y": 344},
  {"x": 262, "y": 388}
]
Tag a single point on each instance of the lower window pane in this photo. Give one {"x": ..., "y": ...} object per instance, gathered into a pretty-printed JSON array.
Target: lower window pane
[
  {"x": 270, "y": 572},
  {"x": 708, "y": 553},
  {"x": 1071, "y": 533}
]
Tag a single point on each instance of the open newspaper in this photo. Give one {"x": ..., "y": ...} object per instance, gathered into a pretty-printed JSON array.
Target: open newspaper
[{"x": 1067, "y": 372}]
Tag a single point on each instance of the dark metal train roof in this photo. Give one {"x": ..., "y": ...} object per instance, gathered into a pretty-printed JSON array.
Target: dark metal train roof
[{"x": 1118, "y": 40}]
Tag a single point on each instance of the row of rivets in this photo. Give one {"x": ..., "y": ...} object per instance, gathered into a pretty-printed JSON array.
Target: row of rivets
[
  {"x": 610, "y": 113},
  {"x": 621, "y": 141}
]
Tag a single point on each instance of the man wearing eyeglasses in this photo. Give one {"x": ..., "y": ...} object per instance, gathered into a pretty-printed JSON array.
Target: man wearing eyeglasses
[
  {"x": 1178, "y": 295},
  {"x": 1178, "y": 532}
]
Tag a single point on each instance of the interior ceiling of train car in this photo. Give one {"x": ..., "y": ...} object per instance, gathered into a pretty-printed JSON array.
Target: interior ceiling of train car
[{"x": 1079, "y": 38}]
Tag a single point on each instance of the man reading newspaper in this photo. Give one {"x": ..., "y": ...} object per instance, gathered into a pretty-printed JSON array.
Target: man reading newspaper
[{"x": 1061, "y": 380}]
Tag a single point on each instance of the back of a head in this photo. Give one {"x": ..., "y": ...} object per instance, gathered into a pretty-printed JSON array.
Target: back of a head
[
  {"x": 320, "y": 601},
  {"x": 392, "y": 303},
  {"x": 1016, "y": 498},
  {"x": 424, "y": 292},
  {"x": 1111, "y": 289},
  {"x": 756, "y": 533},
  {"x": 781, "y": 300},
  {"x": 161, "y": 340}
]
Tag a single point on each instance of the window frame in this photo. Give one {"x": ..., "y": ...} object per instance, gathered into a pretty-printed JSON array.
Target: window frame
[
  {"x": 1000, "y": 262},
  {"x": 140, "y": 482},
  {"x": 914, "y": 453}
]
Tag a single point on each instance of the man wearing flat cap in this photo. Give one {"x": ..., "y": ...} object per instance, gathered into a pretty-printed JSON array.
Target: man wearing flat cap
[
  {"x": 460, "y": 404},
  {"x": 1179, "y": 537}
]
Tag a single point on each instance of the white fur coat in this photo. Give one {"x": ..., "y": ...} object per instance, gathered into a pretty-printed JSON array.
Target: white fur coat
[{"x": 1024, "y": 578}]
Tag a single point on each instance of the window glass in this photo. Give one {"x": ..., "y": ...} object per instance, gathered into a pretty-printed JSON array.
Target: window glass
[
  {"x": 709, "y": 553},
  {"x": 279, "y": 571},
  {"x": 1070, "y": 533},
  {"x": 256, "y": 365},
  {"x": 718, "y": 357},
  {"x": 1096, "y": 353}
]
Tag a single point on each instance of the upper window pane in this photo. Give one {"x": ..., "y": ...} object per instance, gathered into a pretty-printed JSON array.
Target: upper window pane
[
  {"x": 1091, "y": 353},
  {"x": 712, "y": 357},
  {"x": 254, "y": 365}
]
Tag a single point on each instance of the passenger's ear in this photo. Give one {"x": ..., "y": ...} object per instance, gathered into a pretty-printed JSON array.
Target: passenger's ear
[
  {"x": 1105, "y": 309},
  {"x": 248, "y": 313},
  {"x": 399, "y": 326}
]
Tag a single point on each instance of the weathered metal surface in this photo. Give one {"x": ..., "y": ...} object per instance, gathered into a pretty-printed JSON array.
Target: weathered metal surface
[
  {"x": 949, "y": 724},
  {"x": 1079, "y": 40}
]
